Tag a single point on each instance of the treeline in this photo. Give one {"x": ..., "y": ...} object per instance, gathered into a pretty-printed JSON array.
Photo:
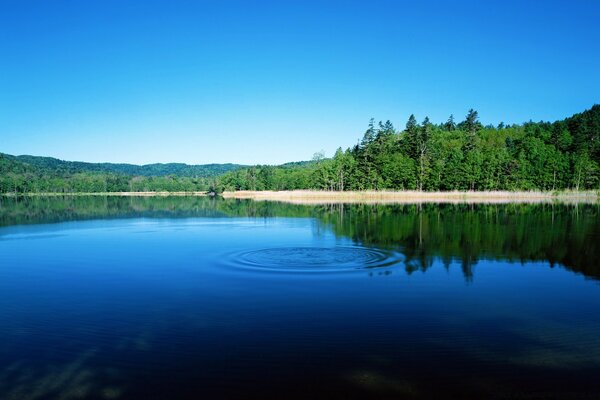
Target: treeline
[
  {"x": 423, "y": 156},
  {"x": 31, "y": 174},
  {"x": 17, "y": 177},
  {"x": 448, "y": 156}
]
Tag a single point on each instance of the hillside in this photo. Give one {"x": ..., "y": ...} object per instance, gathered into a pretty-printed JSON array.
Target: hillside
[
  {"x": 178, "y": 169},
  {"x": 30, "y": 174}
]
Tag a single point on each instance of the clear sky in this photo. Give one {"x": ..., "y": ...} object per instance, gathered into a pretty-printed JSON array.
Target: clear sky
[{"x": 269, "y": 82}]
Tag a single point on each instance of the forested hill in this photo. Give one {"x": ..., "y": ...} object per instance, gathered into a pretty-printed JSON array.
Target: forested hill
[
  {"x": 30, "y": 174},
  {"x": 463, "y": 155},
  {"x": 453, "y": 155},
  {"x": 178, "y": 169}
]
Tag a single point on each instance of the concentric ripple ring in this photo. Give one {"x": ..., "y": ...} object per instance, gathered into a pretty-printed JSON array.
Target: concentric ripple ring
[{"x": 315, "y": 259}]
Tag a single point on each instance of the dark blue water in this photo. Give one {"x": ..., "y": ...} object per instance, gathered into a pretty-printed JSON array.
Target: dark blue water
[{"x": 285, "y": 305}]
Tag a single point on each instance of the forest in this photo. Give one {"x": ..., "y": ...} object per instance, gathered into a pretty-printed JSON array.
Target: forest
[
  {"x": 448, "y": 156},
  {"x": 464, "y": 155},
  {"x": 178, "y": 169},
  {"x": 30, "y": 174}
]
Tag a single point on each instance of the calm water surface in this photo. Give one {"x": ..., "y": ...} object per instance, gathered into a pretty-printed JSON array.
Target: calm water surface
[{"x": 190, "y": 298}]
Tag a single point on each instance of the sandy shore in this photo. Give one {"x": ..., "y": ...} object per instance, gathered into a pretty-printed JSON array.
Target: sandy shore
[{"x": 319, "y": 197}]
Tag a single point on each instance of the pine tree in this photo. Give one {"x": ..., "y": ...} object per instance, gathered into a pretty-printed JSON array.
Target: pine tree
[
  {"x": 450, "y": 125},
  {"x": 369, "y": 135},
  {"x": 411, "y": 124},
  {"x": 470, "y": 125}
]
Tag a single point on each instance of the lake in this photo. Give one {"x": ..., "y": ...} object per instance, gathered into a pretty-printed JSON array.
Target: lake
[{"x": 195, "y": 297}]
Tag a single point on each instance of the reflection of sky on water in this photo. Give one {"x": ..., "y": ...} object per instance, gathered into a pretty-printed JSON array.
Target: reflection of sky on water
[{"x": 123, "y": 308}]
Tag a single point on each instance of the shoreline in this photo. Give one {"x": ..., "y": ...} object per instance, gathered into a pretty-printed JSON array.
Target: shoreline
[
  {"x": 362, "y": 197},
  {"x": 122, "y": 194},
  {"x": 403, "y": 197}
]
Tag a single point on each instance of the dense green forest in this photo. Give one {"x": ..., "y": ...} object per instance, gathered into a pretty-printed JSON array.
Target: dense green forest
[
  {"x": 448, "y": 156},
  {"x": 178, "y": 169},
  {"x": 463, "y": 155},
  {"x": 30, "y": 174}
]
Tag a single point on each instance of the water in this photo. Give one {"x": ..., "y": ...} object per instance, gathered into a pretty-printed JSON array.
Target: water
[{"x": 188, "y": 298}]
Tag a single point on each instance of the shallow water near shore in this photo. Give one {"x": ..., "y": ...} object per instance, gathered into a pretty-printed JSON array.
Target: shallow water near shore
[{"x": 186, "y": 298}]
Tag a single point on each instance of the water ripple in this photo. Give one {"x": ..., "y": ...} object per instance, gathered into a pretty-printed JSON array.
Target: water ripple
[{"x": 315, "y": 259}]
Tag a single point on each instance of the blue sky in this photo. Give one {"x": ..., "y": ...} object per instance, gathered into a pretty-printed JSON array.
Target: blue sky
[{"x": 270, "y": 82}]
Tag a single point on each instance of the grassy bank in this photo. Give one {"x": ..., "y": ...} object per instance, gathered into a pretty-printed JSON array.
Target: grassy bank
[
  {"x": 329, "y": 197},
  {"x": 315, "y": 197}
]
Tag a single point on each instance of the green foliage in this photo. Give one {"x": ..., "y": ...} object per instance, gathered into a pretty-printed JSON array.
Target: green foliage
[
  {"x": 18, "y": 177},
  {"x": 177, "y": 169},
  {"x": 449, "y": 156}
]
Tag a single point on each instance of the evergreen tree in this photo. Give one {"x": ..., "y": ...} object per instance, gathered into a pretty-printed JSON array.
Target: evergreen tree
[
  {"x": 450, "y": 125},
  {"x": 471, "y": 124},
  {"x": 369, "y": 135},
  {"x": 411, "y": 124}
]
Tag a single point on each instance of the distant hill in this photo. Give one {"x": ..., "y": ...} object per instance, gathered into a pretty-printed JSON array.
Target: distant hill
[
  {"x": 297, "y": 164},
  {"x": 71, "y": 167},
  {"x": 9, "y": 164}
]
